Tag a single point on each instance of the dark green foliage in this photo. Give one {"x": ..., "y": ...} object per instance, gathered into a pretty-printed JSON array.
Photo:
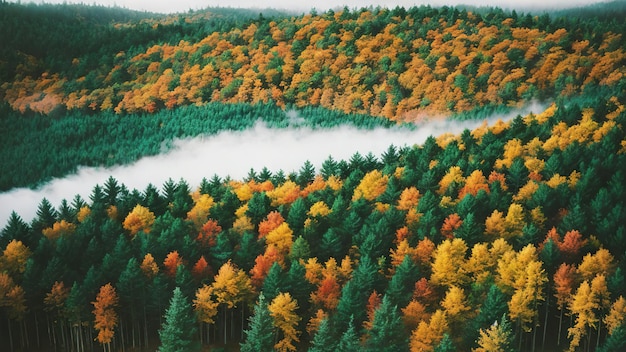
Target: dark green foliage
[
  {"x": 387, "y": 333},
  {"x": 616, "y": 341},
  {"x": 402, "y": 283},
  {"x": 179, "y": 331},
  {"x": 273, "y": 283},
  {"x": 323, "y": 340},
  {"x": 350, "y": 341},
  {"x": 260, "y": 335},
  {"x": 445, "y": 345}
]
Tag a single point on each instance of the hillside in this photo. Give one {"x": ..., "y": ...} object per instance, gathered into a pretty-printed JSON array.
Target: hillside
[{"x": 398, "y": 63}]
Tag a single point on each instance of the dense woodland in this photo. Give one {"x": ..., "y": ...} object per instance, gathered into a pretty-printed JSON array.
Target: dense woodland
[{"x": 509, "y": 237}]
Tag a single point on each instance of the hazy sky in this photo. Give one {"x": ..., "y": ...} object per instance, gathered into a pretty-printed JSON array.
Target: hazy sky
[{"x": 167, "y": 6}]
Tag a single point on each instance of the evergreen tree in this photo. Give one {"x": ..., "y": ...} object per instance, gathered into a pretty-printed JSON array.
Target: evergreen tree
[
  {"x": 260, "y": 335},
  {"x": 274, "y": 282},
  {"x": 349, "y": 341},
  {"x": 445, "y": 345},
  {"x": 402, "y": 283},
  {"x": 179, "y": 332},
  {"x": 323, "y": 341},
  {"x": 387, "y": 333}
]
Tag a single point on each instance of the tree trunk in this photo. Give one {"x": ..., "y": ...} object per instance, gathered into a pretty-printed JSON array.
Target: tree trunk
[
  {"x": 599, "y": 330},
  {"x": 558, "y": 338},
  {"x": 145, "y": 326},
  {"x": 232, "y": 324},
  {"x": 37, "y": 330},
  {"x": 10, "y": 334},
  {"x": 225, "y": 325},
  {"x": 545, "y": 321},
  {"x": 520, "y": 336}
]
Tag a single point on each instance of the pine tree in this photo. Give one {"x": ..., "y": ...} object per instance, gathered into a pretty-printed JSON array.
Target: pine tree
[
  {"x": 179, "y": 332},
  {"x": 323, "y": 340},
  {"x": 260, "y": 335},
  {"x": 387, "y": 333},
  {"x": 349, "y": 341}
]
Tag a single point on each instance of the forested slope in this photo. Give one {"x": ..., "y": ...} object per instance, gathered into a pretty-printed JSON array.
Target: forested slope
[
  {"x": 519, "y": 223},
  {"x": 397, "y": 63}
]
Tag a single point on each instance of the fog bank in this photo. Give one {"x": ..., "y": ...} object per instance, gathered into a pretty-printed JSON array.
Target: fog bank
[{"x": 234, "y": 154}]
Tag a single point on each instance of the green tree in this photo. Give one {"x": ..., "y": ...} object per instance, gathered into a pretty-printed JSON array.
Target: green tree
[
  {"x": 179, "y": 332},
  {"x": 323, "y": 341},
  {"x": 274, "y": 282},
  {"x": 260, "y": 334},
  {"x": 349, "y": 341},
  {"x": 402, "y": 282},
  {"x": 387, "y": 333},
  {"x": 445, "y": 345}
]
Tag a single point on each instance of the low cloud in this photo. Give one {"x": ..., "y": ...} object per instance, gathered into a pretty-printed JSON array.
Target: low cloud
[{"x": 234, "y": 154}]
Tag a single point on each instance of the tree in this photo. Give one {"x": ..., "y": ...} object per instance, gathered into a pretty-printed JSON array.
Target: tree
[
  {"x": 179, "y": 331},
  {"x": 323, "y": 340},
  {"x": 260, "y": 334},
  {"x": 583, "y": 306},
  {"x": 171, "y": 263},
  {"x": 427, "y": 335},
  {"x": 283, "y": 311},
  {"x": 387, "y": 332},
  {"x": 449, "y": 263},
  {"x": 399, "y": 290},
  {"x": 106, "y": 318},
  {"x": 372, "y": 185},
  {"x": 454, "y": 304},
  {"x": 14, "y": 258},
  {"x": 205, "y": 305},
  {"x": 349, "y": 341},
  {"x": 139, "y": 219},
  {"x": 497, "y": 338}
]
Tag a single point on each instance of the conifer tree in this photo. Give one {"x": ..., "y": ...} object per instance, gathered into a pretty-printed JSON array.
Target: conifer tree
[
  {"x": 387, "y": 333},
  {"x": 323, "y": 340},
  {"x": 179, "y": 331},
  {"x": 349, "y": 341},
  {"x": 260, "y": 335}
]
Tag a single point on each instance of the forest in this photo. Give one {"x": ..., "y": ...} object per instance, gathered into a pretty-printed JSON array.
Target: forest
[{"x": 507, "y": 237}]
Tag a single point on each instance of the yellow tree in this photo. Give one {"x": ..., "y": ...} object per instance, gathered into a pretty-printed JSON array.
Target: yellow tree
[
  {"x": 59, "y": 229},
  {"x": 583, "y": 307},
  {"x": 105, "y": 317},
  {"x": 455, "y": 304},
  {"x": 427, "y": 335},
  {"x": 281, "y": 237},
  {"x": 373, "y": 184},
  {"x": 198, "y": 215},
  {"x": 514, "y": 221},
  {"x": 205, "y": 305},
  {"x": 231, "y": 287},
  {"x": 616, "y": 315},
  {"x": 448, "y": 266},
  {"x": 496, "y": 338},
  {"x": 495, "y": 224},
  {"x": 149, "y": 266},
  {"x": 14, "y": 258},
  {"x": 601, "y": 262},
  {"x": 283, "y": 311},
  {"x": 139, "y": 219}
]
